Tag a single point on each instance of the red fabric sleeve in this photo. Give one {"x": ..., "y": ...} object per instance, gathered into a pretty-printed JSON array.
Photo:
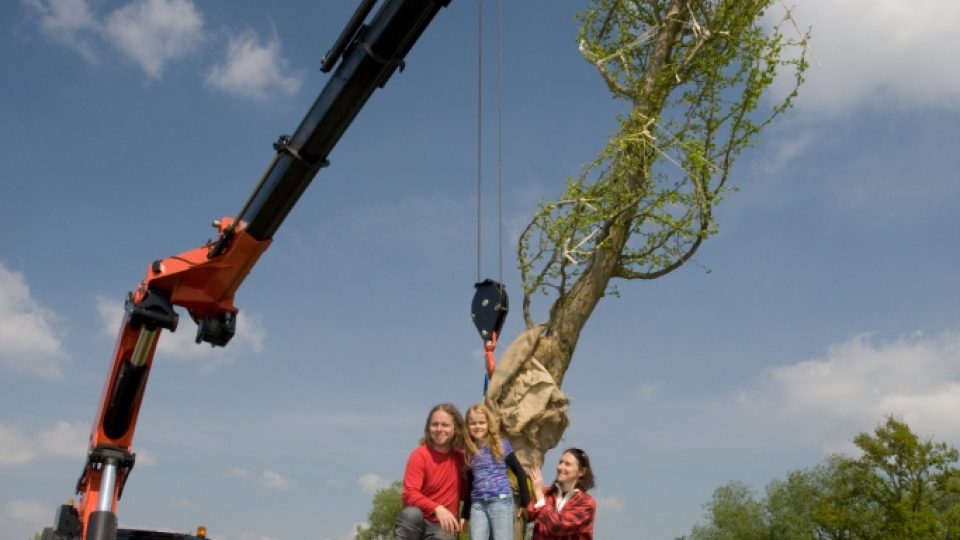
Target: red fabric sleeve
[
  {"x": 574, "y": 521},
  {"x": 413, "y": 477}
]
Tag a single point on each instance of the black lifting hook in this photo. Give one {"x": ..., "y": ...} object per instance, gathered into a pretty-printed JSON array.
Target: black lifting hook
[{"x": 489, "y": 308}]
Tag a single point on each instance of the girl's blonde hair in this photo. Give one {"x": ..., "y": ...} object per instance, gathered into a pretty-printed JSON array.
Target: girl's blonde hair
[{"x": 492, "y": 440}]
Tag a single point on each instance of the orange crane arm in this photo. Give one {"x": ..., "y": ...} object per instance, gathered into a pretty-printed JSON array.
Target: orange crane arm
[{"x": 205, "y": 279}]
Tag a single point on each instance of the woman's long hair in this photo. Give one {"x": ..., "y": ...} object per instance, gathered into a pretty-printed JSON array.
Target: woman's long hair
[{"x": 492, "y": 440}]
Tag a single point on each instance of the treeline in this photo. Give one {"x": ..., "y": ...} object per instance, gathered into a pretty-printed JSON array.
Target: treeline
[{"x": 901, "y": 488}]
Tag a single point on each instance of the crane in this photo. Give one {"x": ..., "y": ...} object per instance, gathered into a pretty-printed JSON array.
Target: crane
[{"x": 204, "y": 280}]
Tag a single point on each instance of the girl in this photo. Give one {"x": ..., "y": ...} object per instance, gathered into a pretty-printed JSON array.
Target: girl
[
  {"x": 488, "y": 456},
  {"x": 564, "y": 511}
]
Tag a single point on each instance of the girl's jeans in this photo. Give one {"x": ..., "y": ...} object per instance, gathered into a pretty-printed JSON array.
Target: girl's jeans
[{"x": 492, "y": 519}]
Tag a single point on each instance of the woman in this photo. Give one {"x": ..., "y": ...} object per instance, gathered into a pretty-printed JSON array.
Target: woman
[{"x": 564, "y": 511}]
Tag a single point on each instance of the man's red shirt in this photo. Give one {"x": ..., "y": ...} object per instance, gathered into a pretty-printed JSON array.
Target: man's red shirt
[{"x": 434, "y": 478}]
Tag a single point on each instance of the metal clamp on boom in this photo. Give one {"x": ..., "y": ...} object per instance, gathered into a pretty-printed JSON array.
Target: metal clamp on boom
[
  {"x": 346, "y": 36},
  {"x": 153, "y": 311},
  {"x": 389, "y": 62},
  {"x": 283, "y": 146},
  {"x": 118, "y": 460},
  {"x": 217, "y": 331}
]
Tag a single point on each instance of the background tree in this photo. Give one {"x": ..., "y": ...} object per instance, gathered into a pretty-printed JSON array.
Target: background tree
[
  {"x": 785, "y": 513},
  {"x": 913, "y": 483},
  {"x": 387, "y": 503},
  {"x": 735, "y": 514},
  {"x": 901, "y": 488},
  {"x": 692, "y": 75},
  {"x": 792, "y": 504}
]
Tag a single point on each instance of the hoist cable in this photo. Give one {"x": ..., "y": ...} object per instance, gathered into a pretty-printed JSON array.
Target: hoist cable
[
  {"x": 479, "y": 132},
  {"x": 500, "y": 139},
  {"x": 499, "y": 105}
]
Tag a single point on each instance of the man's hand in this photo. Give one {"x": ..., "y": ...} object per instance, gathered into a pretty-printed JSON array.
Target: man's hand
[{"x": 448, "y": 522}]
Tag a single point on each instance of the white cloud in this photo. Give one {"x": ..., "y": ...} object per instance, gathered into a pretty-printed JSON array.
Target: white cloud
[
  {"x": 14, "y": 446},
  {"x": 253, "y": 70},
  {"x": 58, "y": 16},
  {"x": 181, "y": 345},
  {"x": 64, "y": 439},
  {"x": 369, "y": 483},
  {"x": 611, "y": 504},
  {"x": 880, "y": 52},
  {"x": 274, "y": 480},
  {"x": 29, "y": 512},
  {"x": 239, "y": 472},
  {"x": 256, "y": 536},
  {"x": 267, "y": 478},
  {"x": 28, "y": 342},
  {"x": 146, "y": 458},
  {"x": 154, "y": 32},
  {"x": 860, "y": 381},
  {"x": 110, "y": 313},
  {"x": 789, "y": 140},
  {"x": 816, "y": 406},
  {"x": 647, "y": 391},
  {"x": 67, "y": 21}
]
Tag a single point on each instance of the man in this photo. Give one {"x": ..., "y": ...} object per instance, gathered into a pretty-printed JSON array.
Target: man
[{"x": 434, "y": 481}]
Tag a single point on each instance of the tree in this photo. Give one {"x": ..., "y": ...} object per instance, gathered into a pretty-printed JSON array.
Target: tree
[
  {"x": 691, "y": 74},
  {"x": 912, "y": 484},
  {"x": 785, "y": 513},
  {"x": 901, "y": 488},
  {"x": 734, "y": 515},
  {"x": 791, "y": 505},
  {"x": 387, "y": 503}
]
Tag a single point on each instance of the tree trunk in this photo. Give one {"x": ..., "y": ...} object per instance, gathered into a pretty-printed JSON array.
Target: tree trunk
[
  {"x": 525, "y": 389},
  {"x": 724, "y": 61}
]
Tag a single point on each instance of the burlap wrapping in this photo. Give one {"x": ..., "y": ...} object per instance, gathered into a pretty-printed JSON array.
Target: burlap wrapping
[{"x": 531, "y": 407}]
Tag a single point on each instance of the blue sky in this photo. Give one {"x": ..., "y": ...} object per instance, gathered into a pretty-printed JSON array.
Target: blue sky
[{"x": 827, "y": 300}]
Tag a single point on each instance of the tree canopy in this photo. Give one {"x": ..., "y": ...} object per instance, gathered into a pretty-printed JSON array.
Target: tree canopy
[
  {"x": 387, "y": 503},
  {"x": 693, "y": 76},
  {"x": 902, "y": 487}
]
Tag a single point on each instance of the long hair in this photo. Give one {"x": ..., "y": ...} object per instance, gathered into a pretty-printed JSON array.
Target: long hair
[
  {"x": 492, "y": 440},
  {"x": 585, "y": 482},
  {"x": 452, "y": 410}
]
